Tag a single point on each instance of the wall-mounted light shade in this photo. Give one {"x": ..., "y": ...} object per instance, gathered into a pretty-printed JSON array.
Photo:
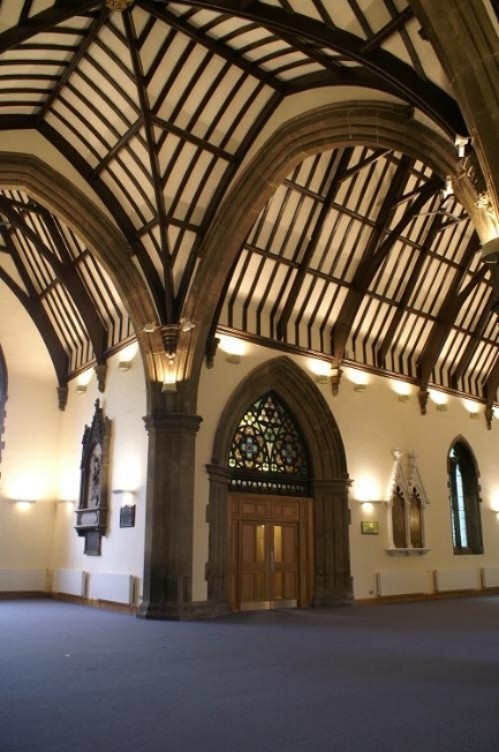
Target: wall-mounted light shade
[
  {"x": 124, "y": 365},
  {"x": 490, "y": 251},
  {"x": 81, "y": 388}
]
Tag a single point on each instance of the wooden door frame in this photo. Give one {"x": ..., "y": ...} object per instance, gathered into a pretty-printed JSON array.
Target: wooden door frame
[
  {"x": 330, "y": 482},
  {"x": 304, "y": 522}
]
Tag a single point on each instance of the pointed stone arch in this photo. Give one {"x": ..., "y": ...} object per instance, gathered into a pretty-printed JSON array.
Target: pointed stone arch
[
  {"x": 330, "y": 482},
  {"x": 351, "y": 123},
  {"x": 103, "y": 238}
]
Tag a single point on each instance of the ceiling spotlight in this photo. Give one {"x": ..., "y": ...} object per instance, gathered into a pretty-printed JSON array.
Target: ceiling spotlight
[{"x": 461, "y": 142}]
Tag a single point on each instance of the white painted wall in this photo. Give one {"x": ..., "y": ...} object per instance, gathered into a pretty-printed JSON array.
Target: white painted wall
[
  {"x": 32, "y": 434},
  {"x": 124, "y": 403},
  {"x": 42, "y": 455},
  {"x": 372, "y": 424}
]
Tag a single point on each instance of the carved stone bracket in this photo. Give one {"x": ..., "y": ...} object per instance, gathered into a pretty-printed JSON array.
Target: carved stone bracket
[
  {"x": 423, "y": 396},
  {"x": 101, "y": 373},
  {"x": 62, "y": 396}
]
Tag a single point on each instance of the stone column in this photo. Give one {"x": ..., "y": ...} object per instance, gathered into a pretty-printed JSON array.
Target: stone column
[
  {"x": 169, "y": 517},
  {"x": 217, "y": 570},
  {"x": 333, "y": 582}
]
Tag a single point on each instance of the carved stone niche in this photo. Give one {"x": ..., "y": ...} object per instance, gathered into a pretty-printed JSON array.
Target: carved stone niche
[{"x": 91, "y": 515}]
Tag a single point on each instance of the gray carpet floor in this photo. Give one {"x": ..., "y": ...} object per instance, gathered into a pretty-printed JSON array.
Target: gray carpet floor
[{"x": 413, "y": 677}]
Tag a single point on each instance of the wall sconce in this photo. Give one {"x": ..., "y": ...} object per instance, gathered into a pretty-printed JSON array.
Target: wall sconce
[
  {"x": 360, "y": 388},
  {"x": 321, "y": 369},
  {"x": 170, "y": 378},
  {"x": 124, "y": 365},
  {"x": 81, "y": 388},
  {"x": 439, "y": 399},
  {"x": 233, "y": 348},
  {"x": 472, "y": 408},
  {"x": 402, "y": 389},
  {"x": 126, "y": 496},
  {"x": 24, "y": 504}
]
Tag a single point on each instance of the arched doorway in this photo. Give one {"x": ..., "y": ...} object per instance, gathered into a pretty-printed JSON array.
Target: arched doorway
[{"x": 316, "y": 529}]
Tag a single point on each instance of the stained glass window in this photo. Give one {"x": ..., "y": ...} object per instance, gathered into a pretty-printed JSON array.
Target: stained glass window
[
  {"x": 268, "y": 454},
  {"x": 465, "y": 501}
]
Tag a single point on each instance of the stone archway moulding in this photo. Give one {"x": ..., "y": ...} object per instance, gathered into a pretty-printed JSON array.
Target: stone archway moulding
[
  {"x": 329, "y": 486},
  {"x": 59, "y": 195},
  {"x": 373, "y": 123}
]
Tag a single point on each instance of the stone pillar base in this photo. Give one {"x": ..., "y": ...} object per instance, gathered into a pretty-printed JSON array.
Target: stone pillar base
[
  {"x": 183, "y": 610},
  {"x": 329, "y": 600}
]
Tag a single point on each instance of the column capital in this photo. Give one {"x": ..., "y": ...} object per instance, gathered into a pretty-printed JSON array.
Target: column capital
[{"x": 172, "y": 423}]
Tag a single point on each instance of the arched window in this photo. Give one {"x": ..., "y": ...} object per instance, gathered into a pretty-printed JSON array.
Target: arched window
[
  {"x": 268, "y": 455},
  {"x": 465, "y": 500}
]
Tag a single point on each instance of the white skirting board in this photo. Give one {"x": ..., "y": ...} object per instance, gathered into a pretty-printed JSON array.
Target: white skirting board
[
  {"x": 106, "y": 586},
  {"x": 490, "y": 577},
  {"x": 457, "y": 579},
  {"x": 23, "y": 580},
  {"x": 404, "y": 583},
  {"x": 69, "y": 582}
]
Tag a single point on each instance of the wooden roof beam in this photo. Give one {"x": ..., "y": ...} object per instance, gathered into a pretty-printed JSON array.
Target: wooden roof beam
[
  {"x": 376, "y": 253},
  {"x": 441, "y": 329},
  {"x": 312, "y": 244},
  {"x": 392, "y": 73}
]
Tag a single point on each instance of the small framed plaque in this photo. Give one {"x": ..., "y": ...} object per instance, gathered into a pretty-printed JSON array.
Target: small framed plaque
[
  {"x": 369, "y": 528},
  {"x": 127, "y": 516}
]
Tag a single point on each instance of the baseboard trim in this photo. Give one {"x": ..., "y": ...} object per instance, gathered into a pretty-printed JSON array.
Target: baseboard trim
[
  {"x": 21, "y": 595},
  {"x": 411, "y": 597},
  {"x": 77, "y": 600}
]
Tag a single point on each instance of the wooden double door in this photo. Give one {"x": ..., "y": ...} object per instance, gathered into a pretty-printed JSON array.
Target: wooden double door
[{"x": 270, "y": 552}]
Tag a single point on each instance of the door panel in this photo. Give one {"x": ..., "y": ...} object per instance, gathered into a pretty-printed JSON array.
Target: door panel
[{"x": 270, "y": 552}]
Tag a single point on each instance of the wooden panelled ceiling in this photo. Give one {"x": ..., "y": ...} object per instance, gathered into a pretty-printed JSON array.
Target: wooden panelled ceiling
[{"x": 358, "y": 256}]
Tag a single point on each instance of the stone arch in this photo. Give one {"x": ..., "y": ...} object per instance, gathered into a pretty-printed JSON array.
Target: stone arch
[
  {"x": 329, "y": 480},
  {"x": 60, "y": 196},
  {"x": 352, "y": 123}
]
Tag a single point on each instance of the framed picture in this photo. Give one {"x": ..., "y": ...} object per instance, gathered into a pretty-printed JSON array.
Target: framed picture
[
  {"x": 369, "y": 528},
  {"x": 127, "y": 516}
]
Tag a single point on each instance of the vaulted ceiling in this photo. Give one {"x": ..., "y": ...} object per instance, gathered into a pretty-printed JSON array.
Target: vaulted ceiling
[{"x": 360, "y": 255}]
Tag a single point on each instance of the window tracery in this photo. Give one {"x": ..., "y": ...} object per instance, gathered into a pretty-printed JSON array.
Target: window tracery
[{"x": 268, "y": 455}]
